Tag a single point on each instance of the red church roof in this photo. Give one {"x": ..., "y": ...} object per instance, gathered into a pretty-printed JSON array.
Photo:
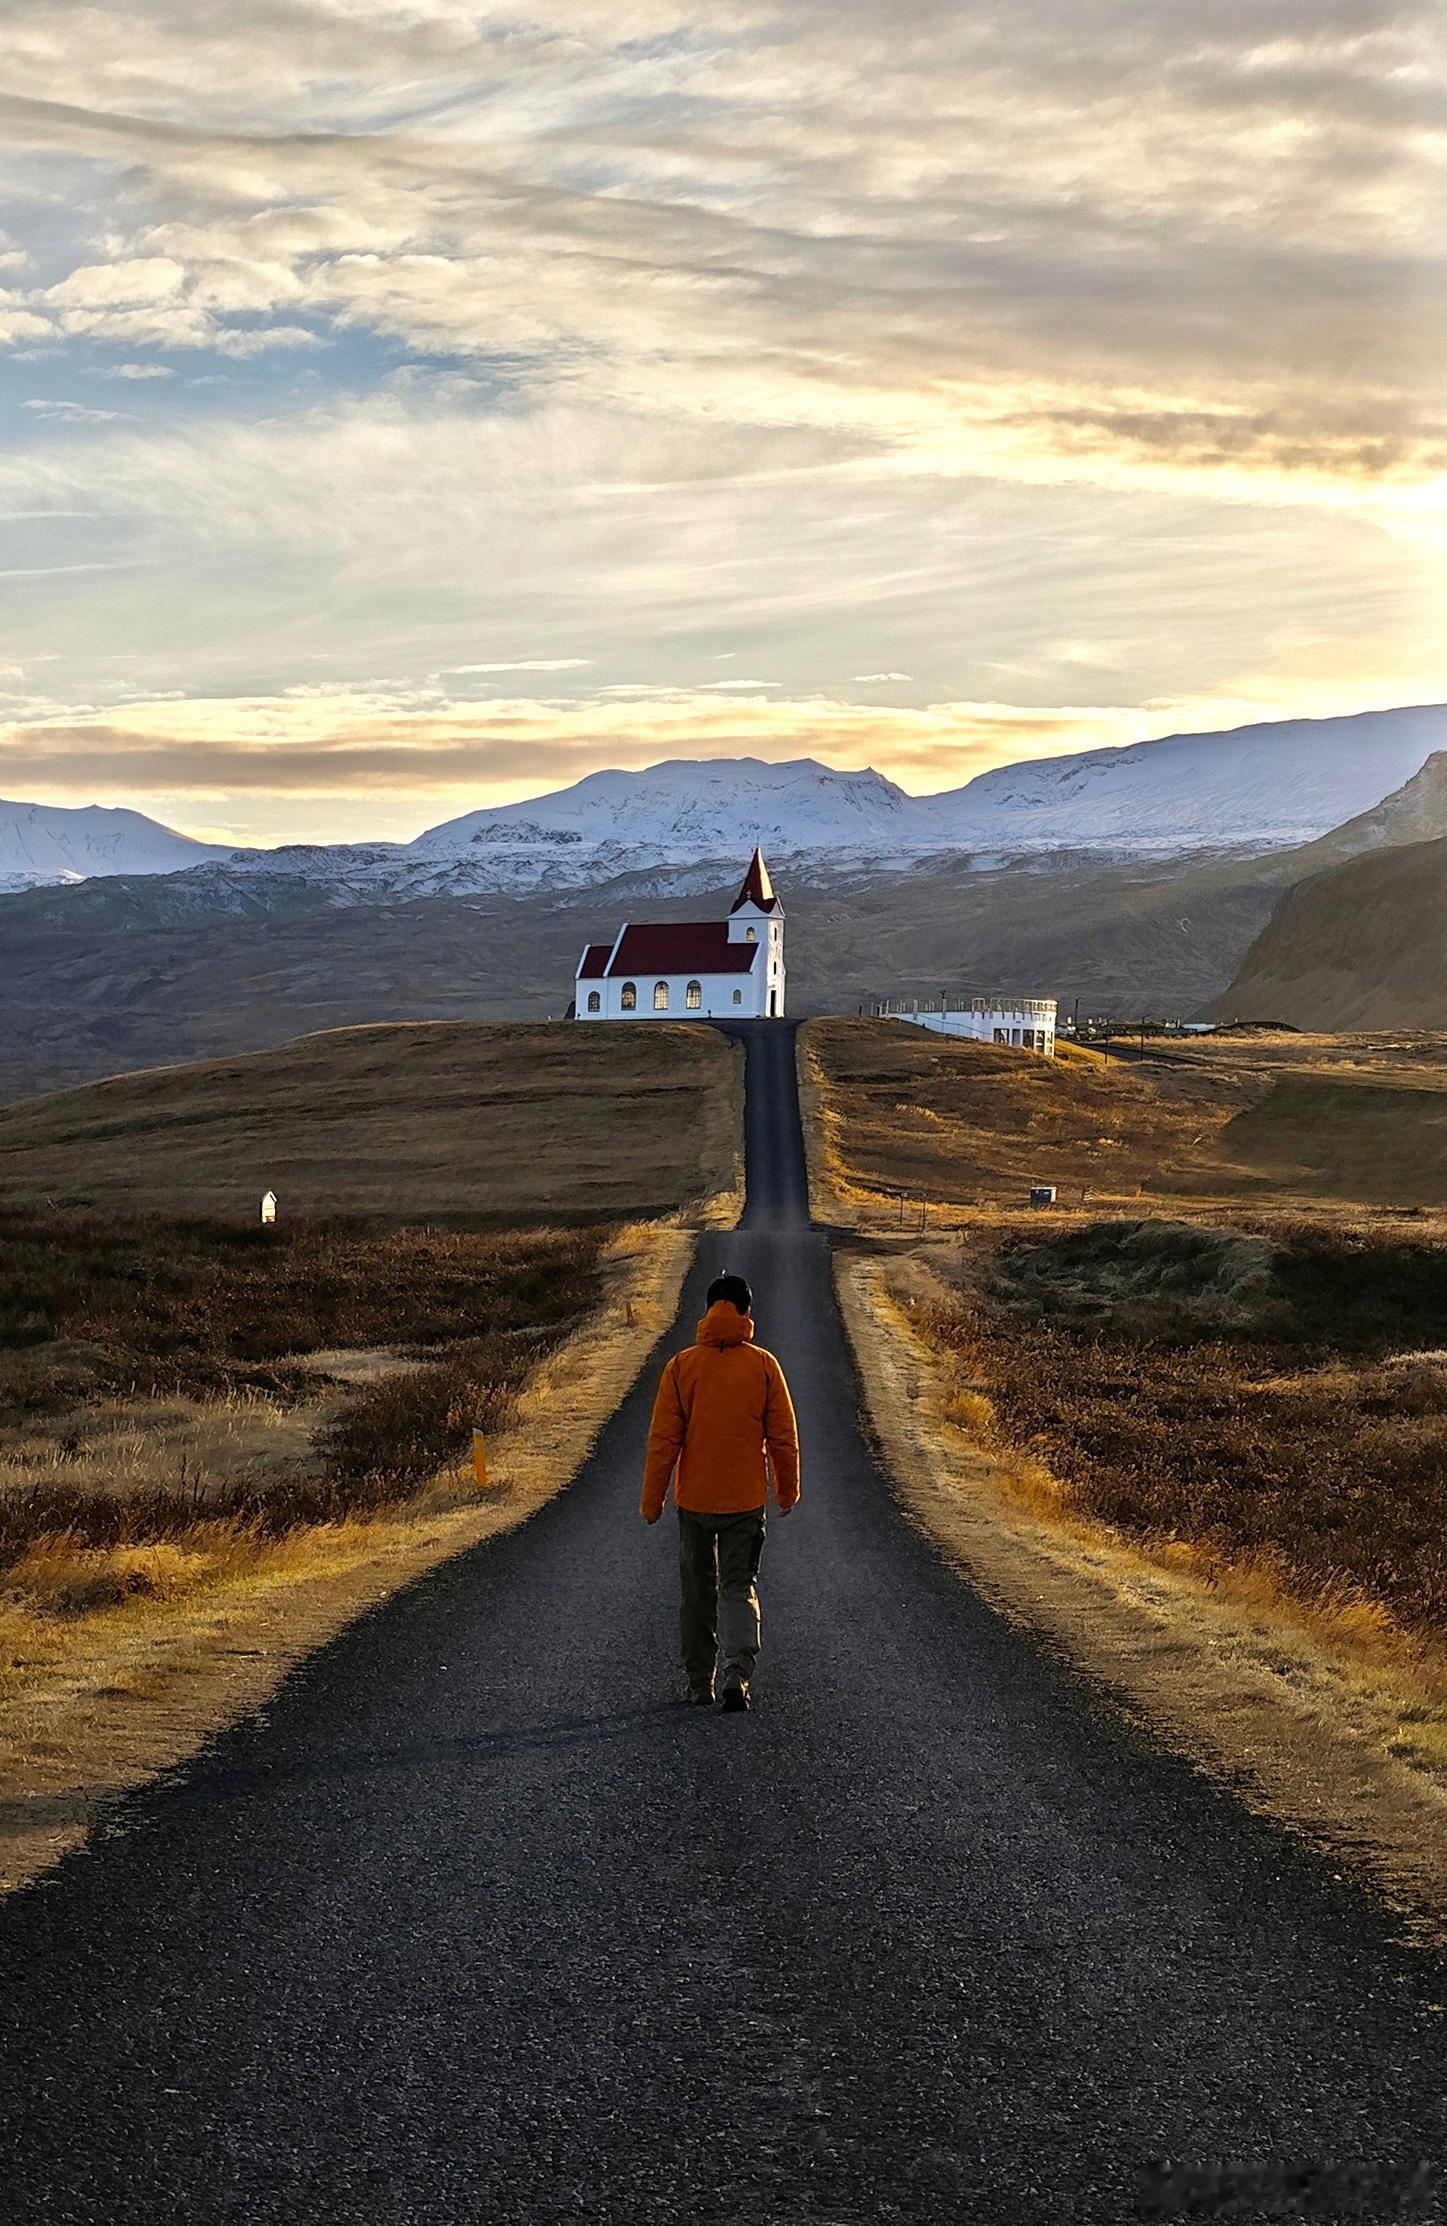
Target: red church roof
[
  {"x": 681, "y": 947},
  {"x": 757, "y": 889},
  {"x": 594, "y": 963}
]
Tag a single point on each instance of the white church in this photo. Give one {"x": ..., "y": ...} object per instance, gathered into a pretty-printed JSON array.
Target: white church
[{"x": 729, "y": 969}]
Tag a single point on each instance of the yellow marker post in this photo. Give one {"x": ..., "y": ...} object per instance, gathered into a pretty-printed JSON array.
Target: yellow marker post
[{"x": 479, "y": 1460}]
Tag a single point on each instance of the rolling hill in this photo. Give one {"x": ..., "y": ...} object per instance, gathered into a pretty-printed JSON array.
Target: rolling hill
[
  {"x": 1361, "y": 945},
  {"x": 416, "y": 1122},
  {"x": 1415, "y": 812},
  {"x": 1274, "y": 785}
]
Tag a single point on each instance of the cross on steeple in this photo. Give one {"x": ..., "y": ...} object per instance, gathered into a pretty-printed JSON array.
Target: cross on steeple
[{"x": 758, "y": 889}]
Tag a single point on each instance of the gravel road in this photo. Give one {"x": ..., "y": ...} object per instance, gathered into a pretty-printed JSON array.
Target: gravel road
[{"x": 475, "y": 1923}]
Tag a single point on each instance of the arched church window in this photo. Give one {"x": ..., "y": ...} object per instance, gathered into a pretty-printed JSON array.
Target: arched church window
[
  {"x": 738, "y": 996},
  {"x": 595, "y": 1002},
  {"x": 660, "y": 997},
  {"x": 629, "y": 999},
  {"x": 749, "y": 936},
  {"x": 693, "y": 996}
]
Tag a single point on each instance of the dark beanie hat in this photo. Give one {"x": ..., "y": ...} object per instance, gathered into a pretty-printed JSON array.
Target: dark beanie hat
[{"x": 731, "y": 1288}]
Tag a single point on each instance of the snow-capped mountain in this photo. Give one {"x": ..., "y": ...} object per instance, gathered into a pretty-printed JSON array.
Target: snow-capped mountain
[
  {"x": 677, "y": 826},
  {"x": 1266, "y": 787},
  {"x": 1257, "y": 788},
  {"x": 686, "y": 808},
  {"x": 44, "y": 844}
]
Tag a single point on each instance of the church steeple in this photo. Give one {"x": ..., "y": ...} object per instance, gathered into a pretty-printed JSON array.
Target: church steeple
[{"x": 758, "y": 889}]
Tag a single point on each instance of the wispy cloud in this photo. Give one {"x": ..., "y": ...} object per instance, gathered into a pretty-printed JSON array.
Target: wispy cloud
[
  {"x": 71, "y": 413},
  {"x": 63, "y": 571},
  {"x": 524, "y": 664}
]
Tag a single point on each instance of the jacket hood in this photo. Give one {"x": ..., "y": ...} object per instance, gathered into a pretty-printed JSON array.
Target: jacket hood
[{"x": 723, "y": 1324}]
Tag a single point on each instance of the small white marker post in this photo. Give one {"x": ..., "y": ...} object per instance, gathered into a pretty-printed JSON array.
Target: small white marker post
[{"x": 268, "y": 1208}]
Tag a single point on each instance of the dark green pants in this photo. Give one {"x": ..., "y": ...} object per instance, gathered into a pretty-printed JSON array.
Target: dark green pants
[{"x": 718, "y": 1558}]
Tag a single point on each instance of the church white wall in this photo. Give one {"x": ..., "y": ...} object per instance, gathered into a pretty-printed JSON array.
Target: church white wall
[
  {"x": 750, "y": 925},
  {"x": 716, "y": 998}
]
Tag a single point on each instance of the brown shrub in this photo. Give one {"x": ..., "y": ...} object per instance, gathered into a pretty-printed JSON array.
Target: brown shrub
[
  {"x": 190, "y": 1302},
  {"x": 1305, "y": 1446},
  {"x": 92, "y": 1303},
  {"x": 403, "y": 1429}
]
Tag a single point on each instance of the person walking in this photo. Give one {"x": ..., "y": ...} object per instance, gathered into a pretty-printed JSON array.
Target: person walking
[{"x": 721, "y": 1420}]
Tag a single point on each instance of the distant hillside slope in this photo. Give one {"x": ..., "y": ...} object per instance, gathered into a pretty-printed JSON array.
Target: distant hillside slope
[
  {"x": 446, "y": 1122},
  {"x": 1363, "y": 945},
  {"x": 125, "y": 976}
]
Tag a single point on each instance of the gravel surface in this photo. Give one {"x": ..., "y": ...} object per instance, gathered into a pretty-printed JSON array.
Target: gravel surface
[{"x": 476, "y": 1923}]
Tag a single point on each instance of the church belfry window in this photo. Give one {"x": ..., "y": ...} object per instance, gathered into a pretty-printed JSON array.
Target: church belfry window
[
  {"x": 629, "y": 998},
  {"x": 749, "y": 936},
  {"x": 660, "y": 997}
]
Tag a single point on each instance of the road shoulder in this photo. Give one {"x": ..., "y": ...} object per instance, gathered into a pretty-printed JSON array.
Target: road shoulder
[{"x": 1295, "y": 1727}]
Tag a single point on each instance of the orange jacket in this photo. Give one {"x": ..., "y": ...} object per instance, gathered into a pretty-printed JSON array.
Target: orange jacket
[{"x": 719, "y": 1405}]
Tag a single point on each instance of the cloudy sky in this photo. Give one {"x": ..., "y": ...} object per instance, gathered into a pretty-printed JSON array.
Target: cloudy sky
[{"x": 407, "y": 407}]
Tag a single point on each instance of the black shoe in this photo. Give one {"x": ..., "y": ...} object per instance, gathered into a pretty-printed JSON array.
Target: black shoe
[
  {"x": 699, "y": 1696},
  {"x": 735, "y": 1698}
]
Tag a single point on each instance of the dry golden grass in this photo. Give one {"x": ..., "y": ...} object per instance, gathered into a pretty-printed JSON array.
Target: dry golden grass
[
  {"x": 1233, "y": 1383},
  {"x": 458, "y": 1123},
  {"x": 118, "y": 1660},
  {"x": 123, "y": 1448},
  {"x": 1269, "y": 1123},
  {"x": 95, "y": 1305},
  {"x": 115, "y": 1499}
]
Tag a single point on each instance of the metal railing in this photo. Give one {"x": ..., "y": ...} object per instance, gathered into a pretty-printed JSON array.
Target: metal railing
[{"x": 1034, "y": 1008}]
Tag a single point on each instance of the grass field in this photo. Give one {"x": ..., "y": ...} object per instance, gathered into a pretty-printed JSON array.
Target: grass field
[
  {"x": 1227, "y": 1342},
  {"x": 1267, "y": 1123},
  {"x": 444, "y": 1191},
  {"x": 465, "y": 1124}
]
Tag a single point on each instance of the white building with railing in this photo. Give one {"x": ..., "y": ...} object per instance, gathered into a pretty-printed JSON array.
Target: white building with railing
[{"x": 1026, "y": 1023}]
